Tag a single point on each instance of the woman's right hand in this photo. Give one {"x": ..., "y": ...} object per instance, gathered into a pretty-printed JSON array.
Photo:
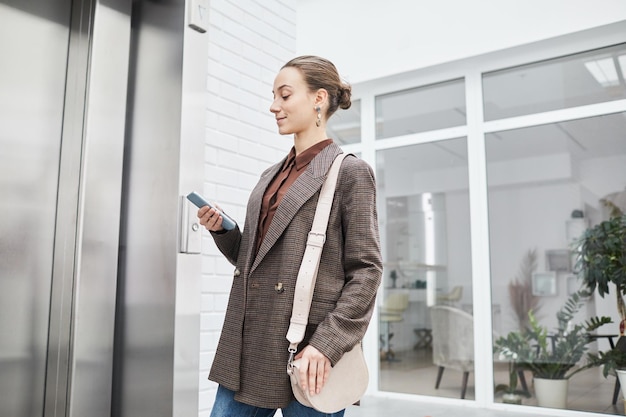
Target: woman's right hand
[{"x": 210, "y": 219}]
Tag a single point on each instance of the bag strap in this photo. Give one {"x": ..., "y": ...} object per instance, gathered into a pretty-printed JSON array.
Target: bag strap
[{"x": 307, "y": 274}]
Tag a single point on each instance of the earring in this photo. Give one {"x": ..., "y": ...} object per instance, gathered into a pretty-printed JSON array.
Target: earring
[{"x": 318, "y": 122}]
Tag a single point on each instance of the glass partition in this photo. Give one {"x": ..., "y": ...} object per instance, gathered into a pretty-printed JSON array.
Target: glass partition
[
  {"x": 420, "y": 109},
  {"x": 425, "y": 314},
  {"x": 587, "y": 78},
  {"x": 546, "y": 185}
]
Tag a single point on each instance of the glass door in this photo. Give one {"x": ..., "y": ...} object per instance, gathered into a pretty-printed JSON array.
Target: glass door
[
  {"x": 549, "y": 182},
  {"x": 426, "y": 323}
]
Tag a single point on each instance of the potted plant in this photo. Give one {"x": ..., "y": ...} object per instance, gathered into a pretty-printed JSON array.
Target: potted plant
[
  {"x": 510, "y": 393},
  {"x": 613, "y": 361},
  {"x": 552, "y": 357},
  {"x": 601, "y": 260}
]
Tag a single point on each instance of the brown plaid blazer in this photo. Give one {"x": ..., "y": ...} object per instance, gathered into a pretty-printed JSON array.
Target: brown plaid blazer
[{"x": 251, "y": 357}]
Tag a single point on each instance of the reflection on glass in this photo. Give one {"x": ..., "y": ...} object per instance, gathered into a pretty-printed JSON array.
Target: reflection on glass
[
  {"x": 420, "y": 109},
  {"x": 591, "y": 77},
  {"x": 345, "y": 125},
  {"x": 426, "y": 312},
  {"x": 546, "y": 184}
]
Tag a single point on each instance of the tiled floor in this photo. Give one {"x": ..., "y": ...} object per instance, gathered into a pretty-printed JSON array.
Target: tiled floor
[
  {"x": 415, "y": 374},
  {"x": 391, "y": 407}
]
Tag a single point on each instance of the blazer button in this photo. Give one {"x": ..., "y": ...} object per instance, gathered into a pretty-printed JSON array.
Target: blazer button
[
  {"x": 237, "y": 272},
  {"x": 279, "y": 288}
]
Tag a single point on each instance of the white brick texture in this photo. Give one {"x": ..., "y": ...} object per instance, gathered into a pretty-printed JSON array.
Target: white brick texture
[{"x": 248, "y": 43}]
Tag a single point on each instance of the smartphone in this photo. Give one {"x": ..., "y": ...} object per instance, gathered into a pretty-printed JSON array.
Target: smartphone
[{"x": 199, "y": 201}]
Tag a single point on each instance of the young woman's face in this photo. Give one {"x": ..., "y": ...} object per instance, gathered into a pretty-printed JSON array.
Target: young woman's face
[{"x": 294, "y": 104}]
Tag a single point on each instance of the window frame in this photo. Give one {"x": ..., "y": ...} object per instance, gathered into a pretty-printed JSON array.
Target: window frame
[{"x": 472, "y": 70}]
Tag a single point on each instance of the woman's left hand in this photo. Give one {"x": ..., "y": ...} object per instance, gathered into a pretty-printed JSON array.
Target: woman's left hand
[{"x": 314, "y": 369}]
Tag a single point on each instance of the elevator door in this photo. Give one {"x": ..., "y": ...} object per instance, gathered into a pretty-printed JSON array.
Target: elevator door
[
  {"x": 68, "y": 68},
  {"x": 33, "y": 67}
]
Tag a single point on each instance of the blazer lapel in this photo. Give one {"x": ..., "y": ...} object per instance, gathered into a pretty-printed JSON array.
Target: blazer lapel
[
  {"x": 307, "y": 184},
  {"x": 254, "y": 208}
]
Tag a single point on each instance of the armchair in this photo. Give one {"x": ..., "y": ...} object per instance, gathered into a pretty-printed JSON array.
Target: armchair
[{"x": 453, "y": 342}]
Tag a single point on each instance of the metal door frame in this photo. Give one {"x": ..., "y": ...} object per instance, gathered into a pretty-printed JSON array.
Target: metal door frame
[{"x": 84, "y": 275}]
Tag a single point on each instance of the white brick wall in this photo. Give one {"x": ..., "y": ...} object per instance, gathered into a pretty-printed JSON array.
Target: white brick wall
[{"x": 248, "y": 43}]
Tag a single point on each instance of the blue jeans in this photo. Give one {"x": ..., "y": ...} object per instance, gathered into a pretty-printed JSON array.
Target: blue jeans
[{"x": 226, "y": 406}]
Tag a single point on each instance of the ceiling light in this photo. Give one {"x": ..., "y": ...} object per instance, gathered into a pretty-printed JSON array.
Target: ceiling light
[{"x": 604, "y": 71}]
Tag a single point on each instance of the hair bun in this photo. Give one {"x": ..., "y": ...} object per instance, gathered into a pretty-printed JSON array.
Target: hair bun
[{"x": 344, "y": 97}]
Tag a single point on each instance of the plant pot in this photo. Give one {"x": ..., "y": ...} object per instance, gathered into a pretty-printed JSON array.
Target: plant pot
[
  {"x": 511, "y": 398},
  {"x": 551, "y": 393}
]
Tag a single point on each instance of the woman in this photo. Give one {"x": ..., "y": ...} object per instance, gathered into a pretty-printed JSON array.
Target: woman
[{"x": 250, "y": 362}]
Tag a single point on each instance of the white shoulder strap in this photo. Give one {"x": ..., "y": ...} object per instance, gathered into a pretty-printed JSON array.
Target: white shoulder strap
[{"x": 307, "y": 274}]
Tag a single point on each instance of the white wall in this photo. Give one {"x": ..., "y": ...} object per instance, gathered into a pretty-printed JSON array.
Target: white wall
[
  {"x": 248, "y": 42},
  {"x": 371, "y": 39},
  {"x": 535, "y": 215}
]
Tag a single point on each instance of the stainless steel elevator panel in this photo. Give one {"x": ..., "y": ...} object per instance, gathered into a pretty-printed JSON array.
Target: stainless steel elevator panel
[
  {"x": 90, "y": 197},
  {"x": 157, "y": 325},
  {"x": 33, "y": 66},
  {"x": 62, "y": 119},
  {"x": 93, "y": 323}
]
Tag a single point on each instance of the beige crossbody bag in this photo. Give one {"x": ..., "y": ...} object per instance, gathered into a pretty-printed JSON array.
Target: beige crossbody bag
[{"x": 349, "y": 377}]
